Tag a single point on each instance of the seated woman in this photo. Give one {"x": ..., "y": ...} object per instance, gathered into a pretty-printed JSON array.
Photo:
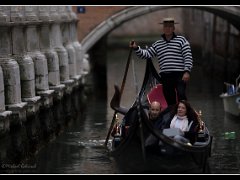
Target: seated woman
[{"x": 183, "y": 117}]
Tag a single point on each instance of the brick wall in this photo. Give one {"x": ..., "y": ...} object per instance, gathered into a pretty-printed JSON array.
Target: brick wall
[{"x": 93, "y": 16}]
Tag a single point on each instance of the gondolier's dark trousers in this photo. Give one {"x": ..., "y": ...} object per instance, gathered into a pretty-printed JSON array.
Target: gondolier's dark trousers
[{"x": 174, "y": 88}]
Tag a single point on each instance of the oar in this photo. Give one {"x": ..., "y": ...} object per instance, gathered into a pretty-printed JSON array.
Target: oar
[
  {"x": 121, "y": 91},
  {"x": 134, "y": 77}
]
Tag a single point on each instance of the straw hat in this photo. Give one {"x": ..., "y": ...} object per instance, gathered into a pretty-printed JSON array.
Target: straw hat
[{"x": 168, "y": 20}]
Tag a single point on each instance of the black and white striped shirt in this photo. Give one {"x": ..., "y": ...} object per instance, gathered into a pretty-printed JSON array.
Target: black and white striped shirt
[{"x": 173, "y": 55}]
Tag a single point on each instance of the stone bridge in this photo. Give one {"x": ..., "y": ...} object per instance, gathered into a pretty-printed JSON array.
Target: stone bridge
[{"x": 98, "y": 21}]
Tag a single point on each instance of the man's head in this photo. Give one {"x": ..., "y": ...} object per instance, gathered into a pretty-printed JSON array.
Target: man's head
[{"x": 154, "y": 110}]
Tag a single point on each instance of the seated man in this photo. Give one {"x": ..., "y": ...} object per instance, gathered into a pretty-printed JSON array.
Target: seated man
[
  {"x": 154, "y": 114},
  {"x": 154, "y": 111}
]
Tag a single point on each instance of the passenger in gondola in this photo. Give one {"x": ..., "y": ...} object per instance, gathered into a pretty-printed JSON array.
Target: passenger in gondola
[
  {"x": 185, "y": 119},
  {"x": 154, "y": 111},
  {"x": 154, "y": 116}
]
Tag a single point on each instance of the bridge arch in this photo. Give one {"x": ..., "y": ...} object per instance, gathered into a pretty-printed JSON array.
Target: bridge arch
[{"x": 229, "y": 13}]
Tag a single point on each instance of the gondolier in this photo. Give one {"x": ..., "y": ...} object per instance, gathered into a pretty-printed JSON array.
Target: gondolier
[{"x": 174, "y": 58}]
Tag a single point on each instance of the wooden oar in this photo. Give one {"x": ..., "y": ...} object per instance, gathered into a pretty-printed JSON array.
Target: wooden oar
[
  {"x": 121, "y": 91},
  {"x": 134, "y": 77}
]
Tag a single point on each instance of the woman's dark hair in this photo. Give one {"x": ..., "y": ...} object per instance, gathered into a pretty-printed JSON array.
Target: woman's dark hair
[{"x": 191, "y": 114}]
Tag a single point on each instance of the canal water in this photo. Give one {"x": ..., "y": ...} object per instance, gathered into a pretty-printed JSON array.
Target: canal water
[{"x": 80, "y": 148}]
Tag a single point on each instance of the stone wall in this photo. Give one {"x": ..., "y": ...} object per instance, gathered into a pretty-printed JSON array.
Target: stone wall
[
  {"x": 218, "y": 41},
  {"x": 41, "y": 60}
]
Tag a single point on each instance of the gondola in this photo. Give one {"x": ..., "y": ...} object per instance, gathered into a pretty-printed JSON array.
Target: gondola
[{"x": 128, "y": 145}]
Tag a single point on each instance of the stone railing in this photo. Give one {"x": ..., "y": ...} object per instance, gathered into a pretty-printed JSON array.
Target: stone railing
[{"x": 40, "y": 59}]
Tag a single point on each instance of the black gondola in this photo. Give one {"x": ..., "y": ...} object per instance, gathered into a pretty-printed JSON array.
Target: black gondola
[{"x": 167, "y": 156}]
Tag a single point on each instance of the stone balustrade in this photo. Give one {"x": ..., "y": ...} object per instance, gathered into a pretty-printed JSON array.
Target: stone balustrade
[{"x": 40, "y": 60}]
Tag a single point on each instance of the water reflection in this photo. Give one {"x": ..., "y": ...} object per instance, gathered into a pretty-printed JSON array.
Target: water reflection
[
  {"x": 79, "y": 150},
  {"x": 225, "y": 156}
]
